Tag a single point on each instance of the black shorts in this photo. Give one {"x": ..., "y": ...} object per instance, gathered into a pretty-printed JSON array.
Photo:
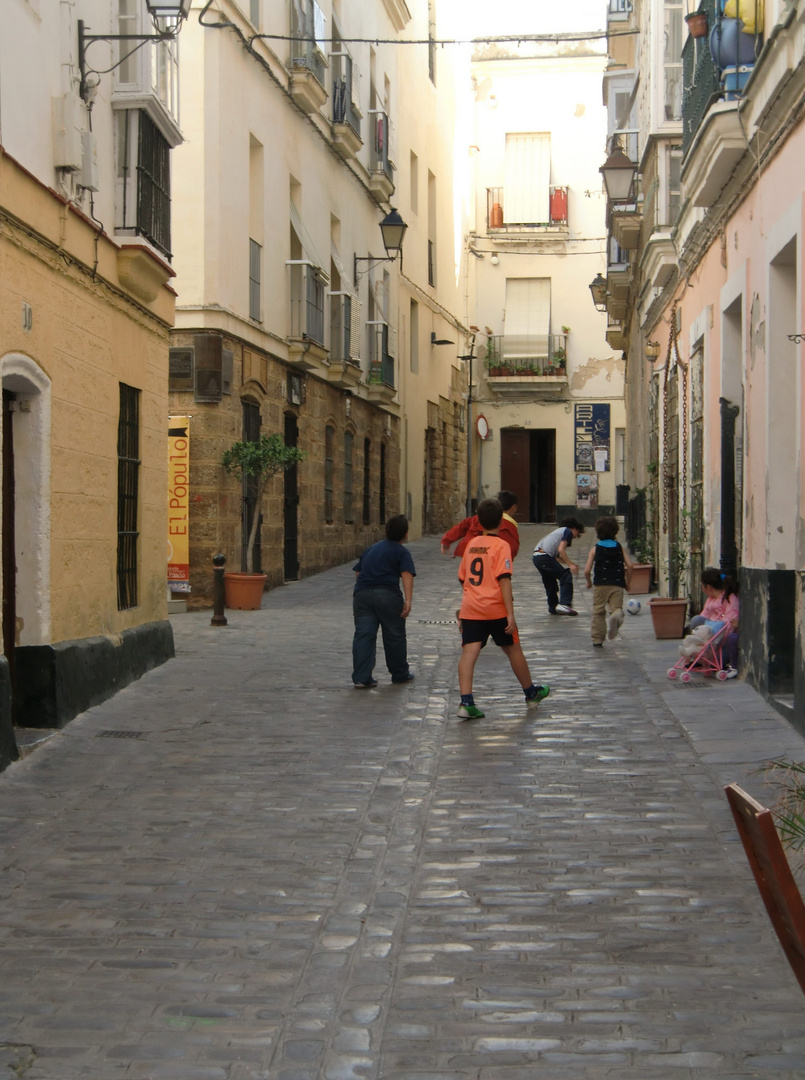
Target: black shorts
[{"x": 473, "y": 630}]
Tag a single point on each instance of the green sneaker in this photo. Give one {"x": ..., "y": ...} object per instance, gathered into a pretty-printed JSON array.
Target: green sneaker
[
  {"x": 469, "y": 712},
  {"x": 540, "y": 695}
]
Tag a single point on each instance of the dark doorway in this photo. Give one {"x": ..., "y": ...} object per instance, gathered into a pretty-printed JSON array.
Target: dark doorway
[
  {"x": 251, "y": 433},
  {"x": 291, "y": 505},
  {"x": 9, "y": 542},
  {"x": 528, "y": 468}
]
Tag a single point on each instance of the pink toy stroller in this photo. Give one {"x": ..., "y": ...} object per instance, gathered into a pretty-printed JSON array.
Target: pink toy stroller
[{"x": 708, "y": 661}]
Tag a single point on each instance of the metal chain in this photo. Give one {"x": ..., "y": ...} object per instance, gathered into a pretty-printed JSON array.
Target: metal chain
[{"x": 669, "y": 480}]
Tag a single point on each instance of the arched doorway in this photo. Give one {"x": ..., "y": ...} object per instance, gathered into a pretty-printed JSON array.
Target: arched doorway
[{"x": 25, "y": 507}]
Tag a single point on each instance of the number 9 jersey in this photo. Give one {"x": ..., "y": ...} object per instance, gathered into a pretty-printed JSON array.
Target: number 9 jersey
[{"x": 486, "y": 560}]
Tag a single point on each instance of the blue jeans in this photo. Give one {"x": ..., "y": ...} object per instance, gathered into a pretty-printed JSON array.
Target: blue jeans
[
  {"x": 557, "y": 579},
  {"x": 373, "y": 608}
]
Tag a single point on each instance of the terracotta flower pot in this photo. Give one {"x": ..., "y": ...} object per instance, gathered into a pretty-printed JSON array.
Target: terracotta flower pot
[
  {"x": 243, "y": 592},
  {"x": 697, "y": 24},
  {"x": 640, "y": 578},
  {"x": 668, "y": 617}
]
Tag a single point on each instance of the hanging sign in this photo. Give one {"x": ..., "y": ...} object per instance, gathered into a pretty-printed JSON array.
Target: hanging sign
[{"x": 178, "y": 503}]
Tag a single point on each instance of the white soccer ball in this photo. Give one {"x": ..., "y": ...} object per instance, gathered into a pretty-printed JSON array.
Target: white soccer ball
[{"x": 633, "y": 607}]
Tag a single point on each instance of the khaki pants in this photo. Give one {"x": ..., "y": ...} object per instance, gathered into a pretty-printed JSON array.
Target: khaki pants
[{"x": 606, "y": 600}]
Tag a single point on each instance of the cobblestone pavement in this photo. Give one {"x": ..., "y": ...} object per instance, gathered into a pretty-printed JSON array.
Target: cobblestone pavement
[{"x": 242, "y": 868}]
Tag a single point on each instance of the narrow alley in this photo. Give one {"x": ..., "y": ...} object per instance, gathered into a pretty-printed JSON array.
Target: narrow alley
[{"x": 240, "y": 867}]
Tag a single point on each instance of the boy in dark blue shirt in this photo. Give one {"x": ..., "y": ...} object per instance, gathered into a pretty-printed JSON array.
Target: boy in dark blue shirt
[
  {"x": 608, "y": 562},
  {"x": 378, "y": 602}
]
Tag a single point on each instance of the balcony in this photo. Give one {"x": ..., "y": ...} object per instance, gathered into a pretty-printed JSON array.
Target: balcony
[
  {"x": 616, "y": 336},
  {"x": 381, "y": 174},
  {"x": 346, "y": 116},
  {"x": 381, "y": 363},
  {"x": 502, "y": 220},
  {"x": 626, "y": 221},
  {"x": 619, "y": 10},
  {"x": 713, "y": 140},
  {"x": 345, "y": 368},
  {"x": 306, "y": 337},
  {"x": 516, "y": 362},
  {"x": 308, "y": 78}
]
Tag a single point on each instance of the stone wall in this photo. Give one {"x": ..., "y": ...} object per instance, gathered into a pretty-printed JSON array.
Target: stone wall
[{"x": 215, "y": 497}]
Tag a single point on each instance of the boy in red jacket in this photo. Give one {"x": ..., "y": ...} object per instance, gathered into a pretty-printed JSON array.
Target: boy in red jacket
[{"x": 471, "y": 527}]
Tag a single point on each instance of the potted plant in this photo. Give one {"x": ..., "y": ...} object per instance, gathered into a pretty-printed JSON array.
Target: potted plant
[
  {"x": 669, "y": 613},
  {"x": 639, "y": 577},
  {"x": 259, "y": 461},
  {"x": 492, "y": 361}
]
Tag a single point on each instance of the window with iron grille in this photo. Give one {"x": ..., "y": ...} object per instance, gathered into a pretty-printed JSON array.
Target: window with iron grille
[
  {"x": 381, "y": 506},
  {"x": 255, "y": 259},
  {"x": 153, "y": 185},
  {"x": 349, "y": 439},
  {"x": 128, "y": 474},
  {"x": 143, "y": 180},
  {"x": 367, "y": 487},
  {"x": 329, "y": 437}
]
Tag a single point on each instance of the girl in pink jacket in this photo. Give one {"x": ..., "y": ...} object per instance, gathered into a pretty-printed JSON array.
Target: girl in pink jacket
[{"x": 722, "y": 605}]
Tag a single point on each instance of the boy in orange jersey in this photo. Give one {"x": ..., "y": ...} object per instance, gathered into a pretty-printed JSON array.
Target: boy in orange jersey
[{"x": 487, "y": 610}]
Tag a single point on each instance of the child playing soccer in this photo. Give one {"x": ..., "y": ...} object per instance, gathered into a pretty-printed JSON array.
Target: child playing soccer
[
  {"x": 608, "y": 562},
  {"x": 487, "y": 610}
]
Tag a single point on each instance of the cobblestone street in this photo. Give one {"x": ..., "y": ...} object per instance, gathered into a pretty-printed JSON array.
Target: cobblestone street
[{"x": 242, "y": 868}]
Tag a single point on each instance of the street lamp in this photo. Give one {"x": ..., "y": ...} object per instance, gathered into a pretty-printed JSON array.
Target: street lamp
[
  {"x": 469, "y": 357},
  {"x": 618, "y": 172},
  {"x": 598, "y": 288},
  {"x": 392, "y": 230},
  {"x": 171, "y": 12}
]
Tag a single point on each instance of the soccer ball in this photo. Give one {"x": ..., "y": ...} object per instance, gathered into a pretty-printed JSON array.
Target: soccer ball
[{"x": 633, "y": 607}]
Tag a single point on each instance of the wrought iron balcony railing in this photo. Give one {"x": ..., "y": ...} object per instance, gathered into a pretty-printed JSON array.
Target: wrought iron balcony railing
[
  {"x": 499, "y": 218},
  {"x": 700, "y": 79},
  {"x": 524, "y": 355},
  {"x": 381, "y": 363},
  {"x": 344, "y": 78},
  {"x": 307, "y": 300}
]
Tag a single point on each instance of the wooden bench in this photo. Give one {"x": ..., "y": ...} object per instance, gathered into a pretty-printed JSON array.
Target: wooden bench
[{"x": 773, "y": 875}]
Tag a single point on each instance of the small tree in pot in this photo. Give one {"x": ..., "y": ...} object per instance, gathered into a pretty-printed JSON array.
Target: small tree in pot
[{"x": 259, "y": 461}]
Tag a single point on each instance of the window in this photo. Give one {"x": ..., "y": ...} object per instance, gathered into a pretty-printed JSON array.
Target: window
[
  {"x": 672, "y": 60},
  {"x": 526, "y": 179},
  {"x": 432, "y": 41},
  {"x": 128, "y": 476},
  {"x": 381, "y": 505},
  {"x": 143, "y": 179},
  {"x": 414, "y": 183},
  {"x": 255, "y": 257},
  {"x": 367, "y": 486},
  {"x": 527, "y": 318},
  {"x": 349, "y": 440},
  {"x": 414, "y": 343},
  {"x": 329, "y": 437},
  {"x": 431, "y": 228}
]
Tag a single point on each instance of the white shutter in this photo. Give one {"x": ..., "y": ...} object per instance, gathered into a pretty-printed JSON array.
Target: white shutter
[
  {"x": 319, "y": 32},
  {"x": 307, "y": 244},
  {"x": 527, "y": 320},
  {"x": 346, "y": 283},
  {"x": 355, "y": 329},
  {"x": 527, "y": 179},
  {"x": 356, "y": 87},
  {"x": 392, "y": 343},
  {"x": 392, "y": 150}
]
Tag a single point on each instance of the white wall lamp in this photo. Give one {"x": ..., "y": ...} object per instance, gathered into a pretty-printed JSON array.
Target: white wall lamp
[
  {"x": 618, "y": 172},
  {"x": 171, "y": 12}
]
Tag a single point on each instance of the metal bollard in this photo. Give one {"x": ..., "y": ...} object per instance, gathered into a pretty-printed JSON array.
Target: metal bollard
[{"x": 218, "y": 617}]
